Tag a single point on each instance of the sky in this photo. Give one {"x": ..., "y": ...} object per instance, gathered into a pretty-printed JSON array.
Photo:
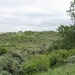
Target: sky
[{"x": 34, "y": 15}]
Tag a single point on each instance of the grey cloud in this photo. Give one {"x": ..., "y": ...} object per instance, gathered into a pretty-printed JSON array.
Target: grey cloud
[
  {"x": 23, "y": 15},
  {"x": 15, "y": 3}
]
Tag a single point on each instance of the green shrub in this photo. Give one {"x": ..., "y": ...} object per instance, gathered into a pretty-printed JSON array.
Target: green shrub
[
  {"x": 71, "y": 60},
  {"x": 61, "y": 70},
  {"x": 72, "y": 52},
  {"x": 57, "y": 58},
  {"x": 38, "y": 64},
  {"x": 56, "y": 45},
  {"x": 8, "y": 64},
  {"x": 3, "y": 62},
  {"x": 3, "y": 50},
  {"x": 4, "y": 73}
]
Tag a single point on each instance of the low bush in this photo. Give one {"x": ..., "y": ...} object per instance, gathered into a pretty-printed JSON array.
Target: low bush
[
  {"x": 56, "y": 45},
  {"x": 38, "y": 64},
  {"x": 3, "y": 50},
  {"x": 70, "y": 60},
  {"x": 57, "y": 58},
  {"x": 4, "y": 73},
  {"x": 42, "y": 62},
  {"x": 61, "y": 70},
  {"x": 72, "y": 52}
]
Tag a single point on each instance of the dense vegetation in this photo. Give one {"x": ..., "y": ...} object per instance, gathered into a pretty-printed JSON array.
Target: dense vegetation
[
  {"x": 39, "y": 53},
  {"x": 18, "y": 48},
  {"x": 62, "y": 70},
  {"x": 67, "y": 41},
  {"x": 29, "y": 53},
  {"x": 28, "y": 40}
]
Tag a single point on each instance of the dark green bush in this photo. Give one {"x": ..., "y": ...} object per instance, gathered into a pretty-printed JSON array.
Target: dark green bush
[
  {"x": 56, "y": 45},
  {"x": 57, "y": 58},
  {"x": 3, "y": 50},
  {"x": 68, "y": 35}
]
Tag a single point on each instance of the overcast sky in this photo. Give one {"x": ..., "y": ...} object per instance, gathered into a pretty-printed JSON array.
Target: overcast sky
[{"x": 35, "y": 15}]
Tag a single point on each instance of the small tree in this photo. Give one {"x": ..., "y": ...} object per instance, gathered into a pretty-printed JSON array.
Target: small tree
[
  {"x": 71, "y": 11},
  {"x": 68, "y": 32},
  {"x": 68, "y": 36}
]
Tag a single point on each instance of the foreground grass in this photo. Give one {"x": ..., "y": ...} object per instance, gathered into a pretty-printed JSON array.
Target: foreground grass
[{"x": 63, "y": 70}]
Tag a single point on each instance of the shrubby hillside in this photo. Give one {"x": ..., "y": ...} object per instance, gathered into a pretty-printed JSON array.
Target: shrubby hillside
[
  {"x": 39, "y": 53},
  {"x": 28, "y": 40},
  {"x": 33, "y": 53},
  {"x": 17, "y": 48}
]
